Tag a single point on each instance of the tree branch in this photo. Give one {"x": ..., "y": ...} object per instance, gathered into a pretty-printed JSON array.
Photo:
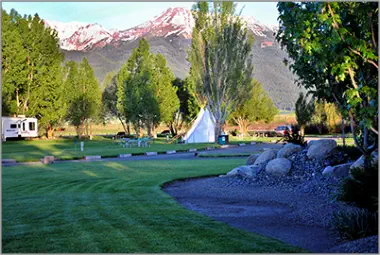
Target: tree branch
[{"x": 336, "y": 27}]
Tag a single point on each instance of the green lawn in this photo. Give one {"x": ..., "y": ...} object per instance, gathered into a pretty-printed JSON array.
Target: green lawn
[
  {"x": 115, "y": 207},
  {"x": 66, "y": 148}
]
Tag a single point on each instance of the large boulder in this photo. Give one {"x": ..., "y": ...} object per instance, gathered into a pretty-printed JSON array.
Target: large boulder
[
  {"x": 278, "y": 166},
  {"x": 342, "y": 170},
  {"x": 288, "y": 150},
  {"x": 251, "y": 159},
  {"x": 360, "y": 162},
  {"x": 243, "y": 171},
  {"x": 320, "y": 149},
  {"x": 264, "y": 158}
]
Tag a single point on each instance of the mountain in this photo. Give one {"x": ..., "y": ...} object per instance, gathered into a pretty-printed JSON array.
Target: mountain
[{"x": 170, "y": 34}]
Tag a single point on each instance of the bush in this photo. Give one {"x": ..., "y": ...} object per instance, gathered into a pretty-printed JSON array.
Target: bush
[
  {"x": 361, "y": 189},
  {"x": 355, "y": 224},
  {"x": 293, "y": 138},
  {"x": 352, "y": 152}
]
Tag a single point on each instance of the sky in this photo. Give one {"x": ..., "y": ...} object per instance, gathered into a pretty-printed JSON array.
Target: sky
[{"x": 123, "y": 15}]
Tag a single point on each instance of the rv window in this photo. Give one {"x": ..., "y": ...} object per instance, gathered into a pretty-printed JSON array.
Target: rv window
[
  {"x": 32, "y": 126},
  {"x": 13, "y": 126},
  {"x": 19, "y": 125},
  {"x": 23, "y": 126}
]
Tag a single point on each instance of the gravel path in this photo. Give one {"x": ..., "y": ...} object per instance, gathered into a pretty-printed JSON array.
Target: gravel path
[{"x": 286, "y": 214}]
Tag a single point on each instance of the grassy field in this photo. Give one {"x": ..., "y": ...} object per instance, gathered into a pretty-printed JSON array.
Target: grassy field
[
  {"x": 115, "y": 207},
  {"x": 67, "y": 149}
]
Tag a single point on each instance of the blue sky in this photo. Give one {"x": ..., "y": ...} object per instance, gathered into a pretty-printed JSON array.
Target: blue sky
[{"x": 122, "y": 15}]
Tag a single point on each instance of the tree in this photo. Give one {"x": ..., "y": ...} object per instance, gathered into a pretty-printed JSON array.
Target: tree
[
  {"x": 221, "y": 59},
  {"x": 258, "y": 107},
  {"x": 304, "y": 112},
  {"x": 334, "y": 51},
  {"x": 165, "y": 92},
  {"x": 32, "y": 74},
  {"x": 136, "y": 98},
  {"x": 188, "y": 108},
  {"x": 319, "y": 117},
  {"x": 85, "y": 101},
  {"x": 145, "y": 94}
]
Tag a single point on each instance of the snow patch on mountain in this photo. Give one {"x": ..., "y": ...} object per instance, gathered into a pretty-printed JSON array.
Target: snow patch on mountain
[{"x": 78, "y": 36}]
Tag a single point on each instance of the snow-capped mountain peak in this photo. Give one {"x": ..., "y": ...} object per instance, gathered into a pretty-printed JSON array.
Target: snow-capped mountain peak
[{"x": 172, "y": 22}]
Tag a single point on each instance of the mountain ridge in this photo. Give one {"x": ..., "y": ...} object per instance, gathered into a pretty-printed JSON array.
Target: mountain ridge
[{"x": 169, "y": 33}]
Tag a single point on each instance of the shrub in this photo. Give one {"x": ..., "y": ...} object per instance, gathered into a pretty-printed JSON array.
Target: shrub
[
  {"x": 354, "y": 224},
  {"x": 293, "y": 138},
  {"x": 352, "y": 152},
  {"x": 361, "y": 189}
]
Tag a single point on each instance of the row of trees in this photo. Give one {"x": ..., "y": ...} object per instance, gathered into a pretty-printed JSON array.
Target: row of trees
[
  {"x": 334, "y": 51},
  {"x": 144, "y": 92},
  {"x": 36, "y": 83}
]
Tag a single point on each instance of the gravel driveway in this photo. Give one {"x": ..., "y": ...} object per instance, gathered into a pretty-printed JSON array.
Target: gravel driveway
[{"x": 287, "y": 215}]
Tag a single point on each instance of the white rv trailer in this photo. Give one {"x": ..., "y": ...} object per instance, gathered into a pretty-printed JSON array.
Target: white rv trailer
[{"x": 19, "y": 126}]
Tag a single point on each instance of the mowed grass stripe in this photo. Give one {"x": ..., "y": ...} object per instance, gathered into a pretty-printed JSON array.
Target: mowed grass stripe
[{"x": 116, "y": 207}]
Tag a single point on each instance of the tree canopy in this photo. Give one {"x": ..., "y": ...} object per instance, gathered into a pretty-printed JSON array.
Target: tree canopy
[
  {"x": 334, "y": 51},
  {"x": 31, "y": 67},
  {"x": 258, "y": 107},
  {"x": 221, "y": 59}
]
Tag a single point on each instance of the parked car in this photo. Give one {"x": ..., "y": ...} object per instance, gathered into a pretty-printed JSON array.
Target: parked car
[
  {"x": 119, "y": 135},
  {"x": 164, "y": 133},
  {"x": 282, "y": 130}
]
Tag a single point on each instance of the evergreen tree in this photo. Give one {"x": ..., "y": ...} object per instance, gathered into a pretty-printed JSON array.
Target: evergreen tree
[
  {"x": 221, "y": 59},
  {"x": 258, "y": 107}
]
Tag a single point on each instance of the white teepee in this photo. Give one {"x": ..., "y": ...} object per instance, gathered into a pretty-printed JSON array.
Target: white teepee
[{"x": 203, "y": 129}]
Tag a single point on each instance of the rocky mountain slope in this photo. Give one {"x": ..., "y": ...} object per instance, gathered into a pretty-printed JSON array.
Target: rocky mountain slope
[{"x": 170, "y": 34}]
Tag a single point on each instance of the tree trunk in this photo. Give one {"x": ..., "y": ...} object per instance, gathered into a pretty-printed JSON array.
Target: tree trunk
[
  {"x": 49, "y": 131},
  {"x": 302, "y": 130},
  {"x": 128, "y": 129},
  {"x": 343, "y": 134},
  {"x": 122, "y": 123},
  {"x": 218, "y": 130}
]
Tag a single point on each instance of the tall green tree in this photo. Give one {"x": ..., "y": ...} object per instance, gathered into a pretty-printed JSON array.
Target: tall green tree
[
  {"x": 221, "y": 59},
  {"x": 136, "y": 96},
  {"x": 334, "y": 52},
  {"x": 188, "y": 108},
  {"x": 32, "y": 72},
  {"x": 258, "y": 107},
  {"x": 145, "y": 94},
  {"x": 304, "y": 112},
  {"x": 164, "y": 90},
  {"x": 85, "y": 101}
]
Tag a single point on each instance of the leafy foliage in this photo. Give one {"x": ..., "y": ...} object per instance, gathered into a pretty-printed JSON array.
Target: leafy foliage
[
  {"x": 355, "y": 224},
  {"x": 221, "y": 59},
  {"x": 293, "y": 138},
  {"x": 145, "y": 95},
  {"x": 258, "y": 107},
  {"x": 362, "y": 188},
  {"x": 83, "y": 95},
  {"x": 334, "y": 52},
  {"x": 31, "y": 67}
]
